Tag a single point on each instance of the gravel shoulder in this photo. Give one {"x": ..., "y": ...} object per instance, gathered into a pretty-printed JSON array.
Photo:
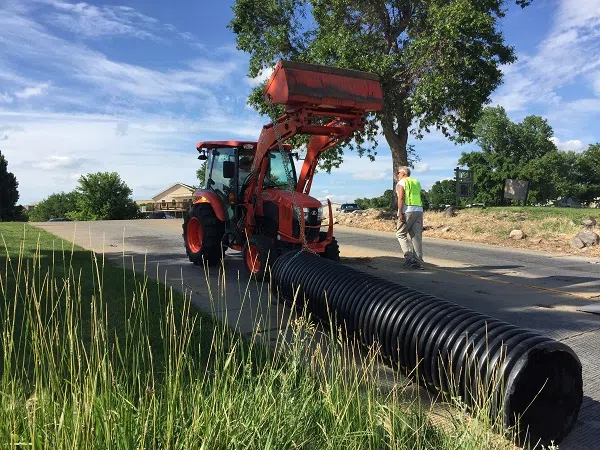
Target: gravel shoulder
[{"x": 544, "y": 231}]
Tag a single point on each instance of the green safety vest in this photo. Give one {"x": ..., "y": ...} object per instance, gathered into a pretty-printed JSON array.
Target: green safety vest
[{"x": 412, "y": 192}]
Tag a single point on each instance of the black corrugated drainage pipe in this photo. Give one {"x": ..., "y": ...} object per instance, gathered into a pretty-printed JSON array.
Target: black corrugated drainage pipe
[{"x": 533, "y": 382}]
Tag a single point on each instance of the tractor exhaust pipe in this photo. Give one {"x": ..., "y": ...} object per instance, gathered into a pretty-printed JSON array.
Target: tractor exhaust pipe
[{"x": 534, "y": 382}]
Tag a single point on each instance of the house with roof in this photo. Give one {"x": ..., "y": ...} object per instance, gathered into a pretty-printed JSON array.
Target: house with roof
[{"x": 174, "y": 200}]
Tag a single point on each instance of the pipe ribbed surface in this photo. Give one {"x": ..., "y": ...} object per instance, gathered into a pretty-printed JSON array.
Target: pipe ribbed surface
[{"x": 533, "y": 381}]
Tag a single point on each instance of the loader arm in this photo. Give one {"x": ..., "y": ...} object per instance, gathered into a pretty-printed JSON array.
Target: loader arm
[{"x": 311, "y": 94}]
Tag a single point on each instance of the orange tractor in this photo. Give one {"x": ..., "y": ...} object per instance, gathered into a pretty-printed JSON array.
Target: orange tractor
[{"x": 252, "y": 200}]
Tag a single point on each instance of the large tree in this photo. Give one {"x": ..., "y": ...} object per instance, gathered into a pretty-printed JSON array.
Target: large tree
[
  {"x": 9, "y": 193},
  {"x": 55, "y": 206},
  {"x": 439, "y": 60},
  {"x": 554, "y": 175},
  {"x": 104, "y": 196},
  {"x": 512, "y": 150},
  {"x": 443, "y": 193},
  {"x": 589, "y": 172}
]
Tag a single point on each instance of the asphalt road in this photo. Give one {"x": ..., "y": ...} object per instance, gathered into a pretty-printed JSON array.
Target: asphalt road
[{"x": 533, "y": 290}]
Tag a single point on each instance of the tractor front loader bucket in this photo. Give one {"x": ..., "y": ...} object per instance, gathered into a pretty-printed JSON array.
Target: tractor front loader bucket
[{"x": 299, "y": 85}]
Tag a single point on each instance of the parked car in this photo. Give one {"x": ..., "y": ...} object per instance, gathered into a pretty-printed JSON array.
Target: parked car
[
  {"x": 568, "y": 203},
  {"x": 160, "y": 215},
  {"x": 59, "y": 219},
  {"x": 349, "y": 207}
]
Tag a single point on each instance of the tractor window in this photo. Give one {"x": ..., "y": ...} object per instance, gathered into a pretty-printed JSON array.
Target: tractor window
[
  {"x": 246, "y": 157},
  {"x": 276, "y": 176},
  {"x": 216, "y": 182}
]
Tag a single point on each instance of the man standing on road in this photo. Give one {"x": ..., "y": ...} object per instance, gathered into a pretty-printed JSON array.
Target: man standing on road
[{"x": 410, "y": 218}]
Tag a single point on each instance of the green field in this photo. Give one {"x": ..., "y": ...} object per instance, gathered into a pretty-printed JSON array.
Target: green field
[{"x": 94, "y": 356}]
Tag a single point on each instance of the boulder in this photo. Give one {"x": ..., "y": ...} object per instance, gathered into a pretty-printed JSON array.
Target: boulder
[
  {"x": 449, "y": 211},
  {"x": 588, "y": 237},
  {"x": 535, "y": 240},
  {"x": 589, "y": 222},
  {"x": 517, "y": 235},
  {"x": 446, "y": 230},
  {"x": 576, "y": 243}
]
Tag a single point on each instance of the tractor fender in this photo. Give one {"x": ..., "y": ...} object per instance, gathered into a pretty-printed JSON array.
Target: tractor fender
[{"x": 206, "y": 196}]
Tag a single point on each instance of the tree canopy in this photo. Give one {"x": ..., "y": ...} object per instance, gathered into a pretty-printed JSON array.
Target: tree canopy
[
  {"x": 443, "y": 193},
  {"x": 9, "y": 192},
  {"x": 525, "y": 151},
  {"x": 54, "y": 207},
  {"x": 589, "y": 172},
  {"x": 384, "y": 201},
  {"x": 439, "y": 60},
  {"x": 104, "y": 196}
]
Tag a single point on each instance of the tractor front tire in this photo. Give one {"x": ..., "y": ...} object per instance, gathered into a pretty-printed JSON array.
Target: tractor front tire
[
  {"x": 332, "y": 250},
  {"x": 202, "y": 235},
  {"x": 259, "y": 254}
]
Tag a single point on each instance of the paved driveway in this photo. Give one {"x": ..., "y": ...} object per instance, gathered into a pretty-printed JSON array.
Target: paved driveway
[{"x": 533, "y": 290}]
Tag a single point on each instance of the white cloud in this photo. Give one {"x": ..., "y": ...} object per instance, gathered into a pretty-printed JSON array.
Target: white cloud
[
  {"x": 574, "y": 145},
  {"x": 263, "y": 76},
  {"x": 122, "y": 128},
  {"x": 58, "y": 162},
  {"x": 571, "y": 50},
  {"x": 155, "y": 151},
  {"x": 421, "y": 167},
  {"x": 5, "y": 98},
  {"x": 99, "y": 21},
  {"x": 109, "y": 83},
  {"x": 95, "y": 21},
  {"x": 102, "y": 114},
  {"x": 33, "y": 91},
  {"x": 338, "y": 198},
  {"x": 369, "y": 176}
]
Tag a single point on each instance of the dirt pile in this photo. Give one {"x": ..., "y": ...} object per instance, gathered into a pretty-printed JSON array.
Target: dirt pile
[{"x": 552, "y": 233}]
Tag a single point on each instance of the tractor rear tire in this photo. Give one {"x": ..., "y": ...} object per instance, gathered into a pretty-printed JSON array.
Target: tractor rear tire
[
  {"x": 332, "y": 251},
  {"x": 259, "y": 254},
  {"x": 202, "y": 235}
]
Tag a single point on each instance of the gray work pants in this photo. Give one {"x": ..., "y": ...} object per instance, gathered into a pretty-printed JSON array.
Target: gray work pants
[{"x": 413, "y": 226}]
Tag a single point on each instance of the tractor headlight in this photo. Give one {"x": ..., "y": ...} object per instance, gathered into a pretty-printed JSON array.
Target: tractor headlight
[
  {"x": 306, "y": 214},
  {"x": 320, "y": 214}
]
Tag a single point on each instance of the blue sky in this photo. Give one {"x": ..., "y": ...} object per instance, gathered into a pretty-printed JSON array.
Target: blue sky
[{"x": 132, "y": 86}]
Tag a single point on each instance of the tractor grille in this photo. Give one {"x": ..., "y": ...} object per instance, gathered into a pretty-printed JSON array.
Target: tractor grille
[{"x": 312, "y": 226}]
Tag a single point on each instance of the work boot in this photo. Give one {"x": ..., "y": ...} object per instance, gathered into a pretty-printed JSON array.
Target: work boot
[
  {"x": 416, "y": 264},
  {"x": 409, "y": 259}
]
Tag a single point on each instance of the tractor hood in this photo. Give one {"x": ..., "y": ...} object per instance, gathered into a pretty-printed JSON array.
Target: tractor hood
[{"x": 287, "y": 198}]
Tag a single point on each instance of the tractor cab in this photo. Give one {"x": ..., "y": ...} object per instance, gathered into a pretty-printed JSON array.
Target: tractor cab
[{"x": 229, "y": 172}]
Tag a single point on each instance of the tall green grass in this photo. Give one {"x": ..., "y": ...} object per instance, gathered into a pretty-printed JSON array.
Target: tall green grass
[{"x": 143, "y": 369}]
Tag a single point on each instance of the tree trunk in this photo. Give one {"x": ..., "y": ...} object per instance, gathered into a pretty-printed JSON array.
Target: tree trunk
[{"x": 397, "y": 140}]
